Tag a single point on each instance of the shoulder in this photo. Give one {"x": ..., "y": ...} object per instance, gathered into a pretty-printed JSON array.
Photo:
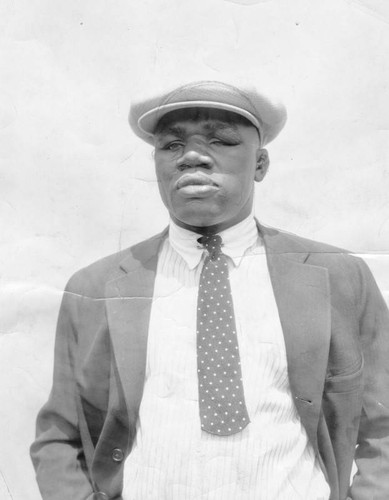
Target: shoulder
[
  {"x": 92, "y": 279},
  {"x": 345, "y": 269},
  {"x": 288, "y": 241},
  {"x": 339, "y": 261}
]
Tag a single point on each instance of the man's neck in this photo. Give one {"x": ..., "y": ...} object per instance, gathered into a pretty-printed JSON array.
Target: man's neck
[{"x": 215, "y": 228}]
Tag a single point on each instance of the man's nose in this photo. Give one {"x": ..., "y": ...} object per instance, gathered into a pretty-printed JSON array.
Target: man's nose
[{"x": 194, "y": 157}]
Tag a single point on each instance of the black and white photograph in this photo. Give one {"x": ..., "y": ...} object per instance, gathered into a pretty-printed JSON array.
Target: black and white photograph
[{"x": 194, "y": 258}]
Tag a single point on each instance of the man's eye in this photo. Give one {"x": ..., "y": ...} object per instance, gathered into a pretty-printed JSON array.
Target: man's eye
[
  {"x": 223, "y": 142},
  {"x": 172, "y": 146}
]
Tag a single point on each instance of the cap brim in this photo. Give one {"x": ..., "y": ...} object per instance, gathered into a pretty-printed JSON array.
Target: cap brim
[{"x": 148, "y": 121}]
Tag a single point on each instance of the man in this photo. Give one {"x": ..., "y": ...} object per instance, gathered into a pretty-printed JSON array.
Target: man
[{"x": 220, "y": 359}]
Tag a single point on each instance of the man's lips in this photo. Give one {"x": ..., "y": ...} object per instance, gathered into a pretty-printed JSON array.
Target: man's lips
[{"x": 195, "y": 179}]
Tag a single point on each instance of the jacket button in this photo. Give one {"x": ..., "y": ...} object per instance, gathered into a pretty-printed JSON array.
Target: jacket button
[{"x": 117, "y": 455}]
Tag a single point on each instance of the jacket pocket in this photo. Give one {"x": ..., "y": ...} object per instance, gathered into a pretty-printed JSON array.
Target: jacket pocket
[{"x": 345, "y": 383}]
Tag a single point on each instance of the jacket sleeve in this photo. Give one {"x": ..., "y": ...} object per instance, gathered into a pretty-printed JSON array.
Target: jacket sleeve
[
  {"x": 372, "y": 454},
  {"x": 57, "y": 453}
]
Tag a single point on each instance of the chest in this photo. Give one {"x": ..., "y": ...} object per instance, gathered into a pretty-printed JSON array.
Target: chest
[{"x": 171, "y": 351}]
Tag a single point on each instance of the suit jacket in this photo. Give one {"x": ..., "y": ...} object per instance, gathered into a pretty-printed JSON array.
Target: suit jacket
[{"x": 335, "y": 325}]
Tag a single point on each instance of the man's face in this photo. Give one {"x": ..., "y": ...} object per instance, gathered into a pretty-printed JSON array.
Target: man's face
[{"x": 206, "y": 165}]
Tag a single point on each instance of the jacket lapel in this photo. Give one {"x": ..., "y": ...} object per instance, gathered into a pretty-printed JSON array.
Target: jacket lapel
[
  {"x": 129, "y": 299},
  {"x": 303, "y": 298}
]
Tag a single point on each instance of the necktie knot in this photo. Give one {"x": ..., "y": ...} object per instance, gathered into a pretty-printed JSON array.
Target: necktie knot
[{"x": 212, "y": 243}]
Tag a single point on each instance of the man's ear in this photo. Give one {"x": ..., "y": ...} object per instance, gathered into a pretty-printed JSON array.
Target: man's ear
[{"x": 262, "y": 164}]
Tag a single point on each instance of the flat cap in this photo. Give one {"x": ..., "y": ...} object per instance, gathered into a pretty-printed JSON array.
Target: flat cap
[{"x": 267, "y": 115}]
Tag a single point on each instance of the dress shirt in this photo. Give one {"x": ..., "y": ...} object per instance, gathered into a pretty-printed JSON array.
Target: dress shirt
[{"x": 172, "y": 459}]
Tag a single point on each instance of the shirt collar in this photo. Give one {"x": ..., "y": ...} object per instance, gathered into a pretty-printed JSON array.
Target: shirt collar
[{"x": 236, "y": 241}]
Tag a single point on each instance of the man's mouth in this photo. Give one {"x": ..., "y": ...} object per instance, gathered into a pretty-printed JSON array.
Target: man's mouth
[
  {"x": 196, "y": 185},
  {"x": 196, "y": 179}
]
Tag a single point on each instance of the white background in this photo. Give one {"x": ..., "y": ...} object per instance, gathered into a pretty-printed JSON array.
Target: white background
[{"x": 77, "y": 185}]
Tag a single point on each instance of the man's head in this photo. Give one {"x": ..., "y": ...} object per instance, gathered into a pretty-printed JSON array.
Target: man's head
[
  {"x": 208, "y": 140},
  {"x": 206, "y": 163}
]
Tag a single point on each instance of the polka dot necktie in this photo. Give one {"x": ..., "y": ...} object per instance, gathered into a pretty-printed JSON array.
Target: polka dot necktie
[{"x": 221, "y": 399}]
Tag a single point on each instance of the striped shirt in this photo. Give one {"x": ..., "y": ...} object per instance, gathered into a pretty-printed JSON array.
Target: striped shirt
[{"x": 172, "y": 459}]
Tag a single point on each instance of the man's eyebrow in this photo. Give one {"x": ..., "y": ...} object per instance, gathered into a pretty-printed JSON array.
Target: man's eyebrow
[
  {"x": 173, "y": 130},
  {"x": 219, "y": 125}
]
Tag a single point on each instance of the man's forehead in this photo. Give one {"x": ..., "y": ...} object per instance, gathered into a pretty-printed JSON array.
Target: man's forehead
[
  {"x": 210, "y": 119},
  {"x": 181, "y": 127}
]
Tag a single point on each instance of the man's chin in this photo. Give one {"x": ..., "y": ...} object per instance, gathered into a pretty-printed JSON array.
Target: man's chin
[
  {"x": 206, "y": 224},
  {"x": 194, "y": 222}
]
